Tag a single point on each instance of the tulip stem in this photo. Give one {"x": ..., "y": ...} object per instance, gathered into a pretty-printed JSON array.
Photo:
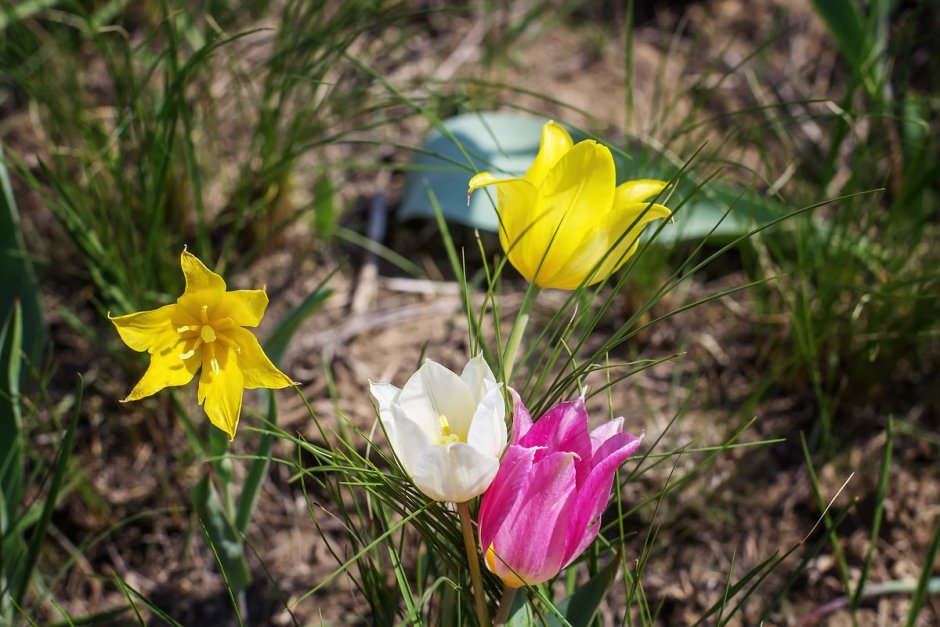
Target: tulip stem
[
  {"x": 475, "y": 576},
  {"x": 505, "y": 604},
  {"x": 515, "y": 335}
]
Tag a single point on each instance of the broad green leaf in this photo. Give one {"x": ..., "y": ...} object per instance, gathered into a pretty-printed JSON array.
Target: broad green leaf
[
  {"x": 324, "y": 207},
  {"x": 11, "y": 445},
  {"x": 16, "y": 274},
  {"x": 844, "y": 21},
  {"x": 579, "y": 609},
  {"x": 222, "y": 535}
]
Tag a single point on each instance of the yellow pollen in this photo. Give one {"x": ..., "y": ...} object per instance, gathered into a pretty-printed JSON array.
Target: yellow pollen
[
  {"x": 207, "y": 333},
  {"x": 184, "y": 329},
  {"x": 187, "y": 354},
  {"x": 447, "y": 435},
  {"x": 205, "y": 314},
  {"x": 215, "y": 365}
]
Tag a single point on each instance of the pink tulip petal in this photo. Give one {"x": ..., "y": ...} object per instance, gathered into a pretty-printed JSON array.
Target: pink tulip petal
[
  {"x": 594, "y": 493},
  {"x": 604, "y": 432},
  {"x": 503, "y": 498},
  {"x": 521, "y": 418},
  {"x": 532, "y": 540},
  {"x": 564, "y": 427}
]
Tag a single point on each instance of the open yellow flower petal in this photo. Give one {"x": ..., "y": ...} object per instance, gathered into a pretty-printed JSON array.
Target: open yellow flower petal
[
  {"x": 140, "y": 330},
  {"x": 166, "y": 369},
  {"x": 556, "y": 142},
  {"x": 198, "y": 277},
  {"x": 221, "y": 387},
  {"x": 244, "y": 307},
  {"x": 257, "y": 369}
]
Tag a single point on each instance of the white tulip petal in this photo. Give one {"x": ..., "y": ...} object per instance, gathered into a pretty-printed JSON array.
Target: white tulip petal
[
  {"x": 416, "y": 403},
  {"x": 478, "y": 377},
  {"x": 447, "y": 395},
  {"x": 488, "y": 430},
  {"x": 385, "y": 395},
  {"x": 408, "y": 440},
  {"x": 455, "y": 472}
]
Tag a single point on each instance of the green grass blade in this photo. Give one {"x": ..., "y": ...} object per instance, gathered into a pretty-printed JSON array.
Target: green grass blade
[
  {"x": 925, "y": 582},
  {"x": 58, "y": 475},
  {"x": 881, "y": 495}
]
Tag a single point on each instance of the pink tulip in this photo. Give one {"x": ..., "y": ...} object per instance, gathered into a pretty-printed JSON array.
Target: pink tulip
[{"x": 544, "y": 507}]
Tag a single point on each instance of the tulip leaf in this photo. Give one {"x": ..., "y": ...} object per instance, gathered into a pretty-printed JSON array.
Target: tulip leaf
[
  {"x": 579, "y": 609},
  {"x": 520, "y": 614},
  {"x": 221, "y": 535},
  {"x": 16, "y": 274},
  {"x": 11, "y": 445}
]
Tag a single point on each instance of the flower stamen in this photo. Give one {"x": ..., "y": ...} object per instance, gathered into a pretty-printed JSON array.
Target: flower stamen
[{"x": 447, "y": 434}]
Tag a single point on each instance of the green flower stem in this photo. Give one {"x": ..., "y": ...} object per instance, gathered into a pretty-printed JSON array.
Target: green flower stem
[
  {"x": 471, "y": 546},
  {"x": 505, "y": 603},
  {"x": 518, "y": 330}
]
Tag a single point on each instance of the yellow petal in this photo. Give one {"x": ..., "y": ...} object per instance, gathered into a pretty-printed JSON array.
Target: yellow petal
[
  {"x": 574, "y": 198},
  {"x": 166, "y": 368},
  {"x": 556, "y": 142},
  {"x": 630, "y": 219},
  {"x": 244, "y": 307},
  {"x": 516, "y": 201},
  {"x": 221, "y": 386},
  {"x": 481, "y": 180},
  {"x": 142, "y": 330},
  {"x": 257, "y": 369},
  {"x": 198, "y": 277},
  {"x": 639, "y": 190}
]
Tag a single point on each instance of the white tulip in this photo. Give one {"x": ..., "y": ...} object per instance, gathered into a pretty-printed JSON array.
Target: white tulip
[{"x": 448, "y": 432}]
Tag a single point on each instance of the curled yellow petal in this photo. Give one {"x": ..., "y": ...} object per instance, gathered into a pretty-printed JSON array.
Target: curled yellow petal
[
  {"x": 639, "y": 190},
  {"x": 628, "y": 221},
  {"x": 555, "y": 143}
]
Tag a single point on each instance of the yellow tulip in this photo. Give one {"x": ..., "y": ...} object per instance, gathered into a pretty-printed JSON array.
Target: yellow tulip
[
  {"x": 204, "y": 329},
  {"x": 565, "y": 223}
]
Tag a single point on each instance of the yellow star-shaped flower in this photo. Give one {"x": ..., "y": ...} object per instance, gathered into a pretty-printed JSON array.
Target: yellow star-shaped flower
[{"x": 204, "y": 329}]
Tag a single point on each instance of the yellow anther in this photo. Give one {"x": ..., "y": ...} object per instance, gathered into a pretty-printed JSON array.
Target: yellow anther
[
  {"x": 187, "y": 354},
  {"x": 184, "y": 329},
  {"x": 215, "y": 365},
  {"x": 205, "y": 313}
]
